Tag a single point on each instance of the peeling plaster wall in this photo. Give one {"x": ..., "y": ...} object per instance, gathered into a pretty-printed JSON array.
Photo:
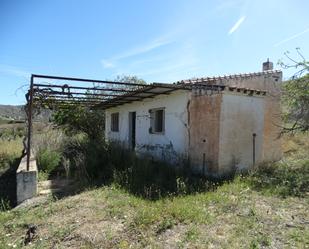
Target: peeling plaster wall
[
  {"x": 168, "y": 146},
  {"x": 241, "y": 116},
  {"x": 271, "y": 82},
  {"x": 204, "y": 116}
]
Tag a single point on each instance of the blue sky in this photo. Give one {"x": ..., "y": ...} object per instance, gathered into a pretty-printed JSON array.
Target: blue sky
[{"x": 159, "y": 41}]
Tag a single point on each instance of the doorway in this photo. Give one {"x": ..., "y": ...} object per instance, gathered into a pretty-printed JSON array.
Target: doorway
[{"x": 132, "y": 130}]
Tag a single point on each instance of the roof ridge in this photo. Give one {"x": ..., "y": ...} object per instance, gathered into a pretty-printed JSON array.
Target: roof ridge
[{"x": 229, "y": 76}]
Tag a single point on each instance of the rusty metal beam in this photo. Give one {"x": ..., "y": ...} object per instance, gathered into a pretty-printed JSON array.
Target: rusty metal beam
[
  {"x": 86, "y": 80},
  {"x": 29, "y": 106},
  {"x": 114, "y": 102},
  {"x": 50, "y": 93},
  {"x": 74, "y": 98},
  {"x": 85, "y": 88}
]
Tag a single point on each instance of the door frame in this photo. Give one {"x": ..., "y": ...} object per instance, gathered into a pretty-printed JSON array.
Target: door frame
[{"x": 132, "y": 130}]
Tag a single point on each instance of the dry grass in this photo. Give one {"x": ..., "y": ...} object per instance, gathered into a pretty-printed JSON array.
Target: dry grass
[{"x": 11, "y": 148}]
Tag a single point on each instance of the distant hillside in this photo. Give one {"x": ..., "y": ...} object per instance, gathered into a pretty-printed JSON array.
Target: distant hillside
[
  {"x": 17, "y": 112},
  {"x": 12, "y": 112}
]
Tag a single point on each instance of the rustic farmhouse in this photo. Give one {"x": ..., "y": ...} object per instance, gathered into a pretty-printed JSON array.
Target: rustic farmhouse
[{"x": 219, "y": 124}]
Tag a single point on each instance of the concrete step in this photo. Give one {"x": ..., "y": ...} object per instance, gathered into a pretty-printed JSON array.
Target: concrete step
[
  {"x": 49, "y": 191},
  {"x": 54, "y": 184}
]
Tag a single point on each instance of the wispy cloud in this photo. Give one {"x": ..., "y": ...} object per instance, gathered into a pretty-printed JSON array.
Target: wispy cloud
[
  {"x": 14, "y": 71},
  {"x": 176, "y": 63},
  {"x": 291, "y": 38},
  {"x": 110, "y": 62},
  {"x": 237, "y": 25}
]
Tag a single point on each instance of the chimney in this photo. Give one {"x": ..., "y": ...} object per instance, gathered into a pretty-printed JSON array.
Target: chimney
[{"x": 268, "y": 65}]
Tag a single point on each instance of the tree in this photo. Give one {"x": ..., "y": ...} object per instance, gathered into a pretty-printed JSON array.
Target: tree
[
  {"x": 77, "y": 118},
  {"x": 129, "y": 79},
  {"x": 295, "y": 94}
]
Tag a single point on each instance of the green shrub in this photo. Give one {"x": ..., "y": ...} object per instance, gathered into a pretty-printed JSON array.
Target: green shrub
[
  {"x": 289, "y": 178},
  {"x": 48, "y": 160},
  {"x": 4, "y": 205}
]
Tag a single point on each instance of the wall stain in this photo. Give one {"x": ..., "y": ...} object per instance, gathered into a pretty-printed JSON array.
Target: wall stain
[{"x": 204, "y": 115}]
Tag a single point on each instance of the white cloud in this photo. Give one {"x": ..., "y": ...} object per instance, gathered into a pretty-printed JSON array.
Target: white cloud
[
  {"x": 110, "y": 63},
  {"x": 291, "y": 37},
  {"x": 237, "y": 25}
]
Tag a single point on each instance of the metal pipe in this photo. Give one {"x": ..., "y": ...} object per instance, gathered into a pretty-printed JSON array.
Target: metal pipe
[
  {"x": 86, "y": 80},
  {"x": 161, "y": 85},
  {"x": 30, "y": 102},
  {"x": 84, "y": 88},
  {"x": 253, "y": 148}
]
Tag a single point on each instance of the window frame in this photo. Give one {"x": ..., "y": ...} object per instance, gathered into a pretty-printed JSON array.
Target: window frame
[
  {"x": 115, "y": 126},
  {"x": 153, "y": 121}
]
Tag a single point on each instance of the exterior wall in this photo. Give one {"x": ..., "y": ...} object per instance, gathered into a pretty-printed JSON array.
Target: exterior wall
[
  {"x": 271, "y": 82},
  {"x": 167, "y": 146},
  {"x": 241, "y": 116},
  {"x": 272, "y": 150},
  {"x": 204, "y": 117}
]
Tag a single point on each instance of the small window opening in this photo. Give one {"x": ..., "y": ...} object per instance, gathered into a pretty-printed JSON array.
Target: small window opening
[
  {"x": 115, "y": 122},
  {"x": 157, "y": 120}
]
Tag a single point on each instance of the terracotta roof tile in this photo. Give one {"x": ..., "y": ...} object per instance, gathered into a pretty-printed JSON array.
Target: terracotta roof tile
[{"x": 231, "y": 76}]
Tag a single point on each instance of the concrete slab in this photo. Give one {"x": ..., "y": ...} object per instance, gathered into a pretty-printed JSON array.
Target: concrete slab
[{"x": 26, "y": 180}]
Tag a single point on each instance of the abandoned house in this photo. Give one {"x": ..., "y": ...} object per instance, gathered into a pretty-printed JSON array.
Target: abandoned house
[{"x": 219, "y": 124}]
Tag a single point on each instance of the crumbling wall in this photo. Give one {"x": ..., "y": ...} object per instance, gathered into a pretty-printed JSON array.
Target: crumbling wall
[{"x": 204, "y": 127}]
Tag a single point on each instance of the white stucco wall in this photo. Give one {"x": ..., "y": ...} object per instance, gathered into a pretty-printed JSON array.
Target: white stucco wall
[
  {"x": 166, "y": 146},
  {"x": 240, "y": 117}
]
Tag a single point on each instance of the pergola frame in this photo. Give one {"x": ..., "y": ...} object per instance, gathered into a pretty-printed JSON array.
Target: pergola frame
[{"x": 102, "y": 95}]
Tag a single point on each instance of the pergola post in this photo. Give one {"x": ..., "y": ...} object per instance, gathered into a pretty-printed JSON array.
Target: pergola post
[{"x": 29, "y": 113}]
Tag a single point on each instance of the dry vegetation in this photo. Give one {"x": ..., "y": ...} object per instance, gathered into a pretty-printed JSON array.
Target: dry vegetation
[{"x": 266, "y": 209}]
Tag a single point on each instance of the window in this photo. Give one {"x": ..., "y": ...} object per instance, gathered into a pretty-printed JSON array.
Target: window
[
  {"x": 157, "y": 120},
  {"x": 115, "y": 122}
]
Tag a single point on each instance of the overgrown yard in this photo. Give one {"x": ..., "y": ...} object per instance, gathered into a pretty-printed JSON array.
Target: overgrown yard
[{"x": 266, "y": 209}]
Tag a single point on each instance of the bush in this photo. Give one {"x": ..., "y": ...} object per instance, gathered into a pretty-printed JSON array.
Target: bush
[
  {"x": 48, "y": 160},
  {"x": 102, "y": 163},
  {"x": 85, "y": 158},
  {"x": 282, "y": 178},
  {"x": 4, "y": 205}
]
